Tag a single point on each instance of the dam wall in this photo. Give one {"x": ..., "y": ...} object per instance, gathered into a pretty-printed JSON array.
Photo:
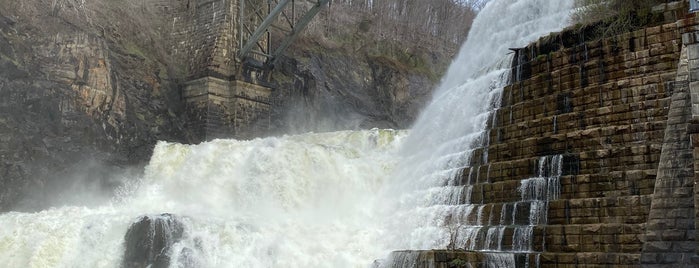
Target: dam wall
[
  {"x": 619, "y": 115},
  {"x": 619, "y": 111}
]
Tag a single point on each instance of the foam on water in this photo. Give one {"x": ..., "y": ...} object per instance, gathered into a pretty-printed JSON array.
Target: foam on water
[{"x": 296, "y": 201}]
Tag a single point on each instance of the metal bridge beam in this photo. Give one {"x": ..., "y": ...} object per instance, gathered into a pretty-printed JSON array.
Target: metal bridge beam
[
  {"x": 271, "y": 21},
  {"x": 302, "y": 23},
  {"x": 262, "y": 28}
]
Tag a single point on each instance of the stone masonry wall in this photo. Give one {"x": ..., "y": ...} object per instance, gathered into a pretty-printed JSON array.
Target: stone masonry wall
[
  {"x": 618, "y": 111},
  {"x": 213, "y": 39},
  {"x": 670, "y": 238},
  {"x": 690, "y": 41},
  {"x": 203, "y": 35},
  {"x": 206, "y": 35},
  {"x": 222, "y": 109}
]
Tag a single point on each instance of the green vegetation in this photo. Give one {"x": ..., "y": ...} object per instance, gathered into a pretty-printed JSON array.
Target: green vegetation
[{"x": 616, "y": 16}]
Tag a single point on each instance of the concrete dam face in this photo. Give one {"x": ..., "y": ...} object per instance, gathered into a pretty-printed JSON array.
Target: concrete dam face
[{"x": 535, "y": 152}]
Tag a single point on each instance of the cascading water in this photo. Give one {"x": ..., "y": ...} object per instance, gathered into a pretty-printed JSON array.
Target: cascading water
[
  {"x": 451, "y": 136},
  {"x": 321, "y": 200}
]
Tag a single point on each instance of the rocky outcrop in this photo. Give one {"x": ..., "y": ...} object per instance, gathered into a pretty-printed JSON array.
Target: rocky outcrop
[
  {"x": 77, "y": 88},
  {"x": 149, "y": 242},
  {"x": 348, "y": 88}
]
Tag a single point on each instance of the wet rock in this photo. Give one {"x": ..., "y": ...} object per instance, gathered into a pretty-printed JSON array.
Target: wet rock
[{"x": 149, "y": 240}]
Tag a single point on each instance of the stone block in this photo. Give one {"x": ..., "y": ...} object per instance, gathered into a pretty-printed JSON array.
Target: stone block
[
  {"x": 684, "y": 246},
  {"x": 673, "y": 235},
  {"x": 692, "y": 50},
  {"x": 653, "y": 30},
  {"x": 660, "y": 224},
  {"x": 688, "y": 39},
  {"x": 695, "y": 259},
  {"x": 669, "y": 258},
  {"x": 657, "y": 214},
  {"x": 631, "y": 248},
  {"x": 653, "y": 235},
  {"x": 629, "y": 259},
  {"x": 566, "y": 258},
  {"x": 657, "y": 246}
]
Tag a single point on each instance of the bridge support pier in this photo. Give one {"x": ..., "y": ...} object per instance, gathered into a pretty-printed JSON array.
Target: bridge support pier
[
  {"x": 221, "y": 108},
  {"x": 227, "y": 50}
]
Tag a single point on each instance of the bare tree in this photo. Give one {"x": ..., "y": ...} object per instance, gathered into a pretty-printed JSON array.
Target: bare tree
[
  {"x": 426, "y": 22},
  {"x": 618, "y": 16}
]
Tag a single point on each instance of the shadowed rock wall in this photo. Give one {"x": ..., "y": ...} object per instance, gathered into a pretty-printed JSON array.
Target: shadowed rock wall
[{"x": 78, "y": 92}]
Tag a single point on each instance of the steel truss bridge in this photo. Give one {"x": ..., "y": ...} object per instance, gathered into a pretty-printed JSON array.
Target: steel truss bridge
[{"x": 285, "y": 18}]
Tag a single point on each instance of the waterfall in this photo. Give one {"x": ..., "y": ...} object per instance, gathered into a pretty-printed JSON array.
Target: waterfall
[
  {"x": 452, "y": 134},
  {"x": 292, "y": 201},
  {"x": 337, "y": 199}
]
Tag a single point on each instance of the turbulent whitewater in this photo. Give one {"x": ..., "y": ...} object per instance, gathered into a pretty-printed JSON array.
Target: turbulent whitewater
[
  {"x": 341, "y": 199},
  {"x": 295, "y": 201}
]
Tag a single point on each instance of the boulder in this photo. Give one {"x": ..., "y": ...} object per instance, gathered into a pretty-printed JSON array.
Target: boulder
[{"x": 149, "y": 240}]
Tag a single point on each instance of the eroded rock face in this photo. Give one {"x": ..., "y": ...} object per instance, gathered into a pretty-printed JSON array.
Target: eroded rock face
[
  {"x": 77, "y": 85},
  {"x": 149, "y": 241},
  {"x": 337, "y": 90}
]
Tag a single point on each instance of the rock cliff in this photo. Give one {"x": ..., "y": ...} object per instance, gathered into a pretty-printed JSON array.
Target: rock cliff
[{"x": 342, "y": 87}]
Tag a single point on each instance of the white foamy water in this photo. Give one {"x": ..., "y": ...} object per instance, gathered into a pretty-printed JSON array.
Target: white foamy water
[
  {"x": 297, "y": 201},
  {"x": 316, "y": 200}
]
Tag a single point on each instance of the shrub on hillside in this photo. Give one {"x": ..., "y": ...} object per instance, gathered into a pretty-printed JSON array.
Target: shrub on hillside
[{"x": 617, "y": 16}]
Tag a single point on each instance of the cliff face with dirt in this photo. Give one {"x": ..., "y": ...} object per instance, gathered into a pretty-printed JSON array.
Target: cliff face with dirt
[{"x": 87, "y": 88}]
